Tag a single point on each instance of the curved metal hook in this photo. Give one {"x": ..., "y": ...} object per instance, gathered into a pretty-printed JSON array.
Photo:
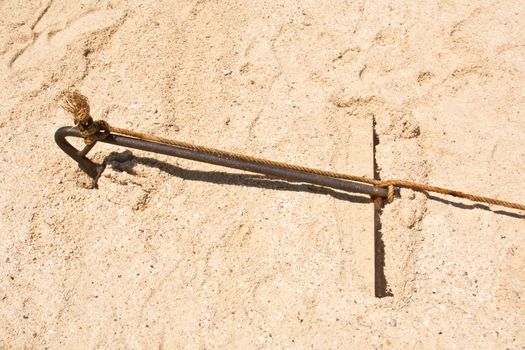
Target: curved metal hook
[{"x": 95, "y": 170}]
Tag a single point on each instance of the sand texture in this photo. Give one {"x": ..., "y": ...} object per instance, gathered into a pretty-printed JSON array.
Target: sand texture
[{"x": 169, "y": 253}]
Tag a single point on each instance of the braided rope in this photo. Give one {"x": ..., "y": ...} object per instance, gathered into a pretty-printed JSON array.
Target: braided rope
[
  {"x": 78, "y": 106},
  {"x": 389, "y": 184}
]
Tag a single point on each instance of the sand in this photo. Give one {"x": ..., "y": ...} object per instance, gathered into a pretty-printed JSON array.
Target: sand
[{"x": 169, "y": 253}]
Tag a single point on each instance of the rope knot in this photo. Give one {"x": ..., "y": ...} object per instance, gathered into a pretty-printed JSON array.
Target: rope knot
[
  {"x": 390, "y": 194},
  {"x": 78, "y": 106},
  {"x": 391, "y": 190}
]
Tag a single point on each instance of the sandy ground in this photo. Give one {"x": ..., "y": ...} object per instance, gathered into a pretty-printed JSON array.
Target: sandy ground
[{"x": 170, "y": 253}]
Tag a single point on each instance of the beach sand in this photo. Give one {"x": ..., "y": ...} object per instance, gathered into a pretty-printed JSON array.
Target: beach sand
[{"x": 169, "y": 253}]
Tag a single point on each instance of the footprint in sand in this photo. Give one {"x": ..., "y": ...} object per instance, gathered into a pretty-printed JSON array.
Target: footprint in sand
[{"x": 52, "y": 41}]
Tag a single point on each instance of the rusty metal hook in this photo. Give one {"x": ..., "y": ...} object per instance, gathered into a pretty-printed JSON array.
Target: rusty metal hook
[{"x": 94, "y": 170}]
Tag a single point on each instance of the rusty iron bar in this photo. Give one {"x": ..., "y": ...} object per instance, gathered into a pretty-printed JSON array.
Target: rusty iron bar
[{"x": 94, "y": 170}]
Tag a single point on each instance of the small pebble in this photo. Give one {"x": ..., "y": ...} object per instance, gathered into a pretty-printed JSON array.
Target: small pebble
[{"x": 227, "y": 72}]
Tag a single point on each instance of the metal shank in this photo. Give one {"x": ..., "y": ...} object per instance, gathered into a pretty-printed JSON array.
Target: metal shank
[{"x": 94, "y": 170}]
